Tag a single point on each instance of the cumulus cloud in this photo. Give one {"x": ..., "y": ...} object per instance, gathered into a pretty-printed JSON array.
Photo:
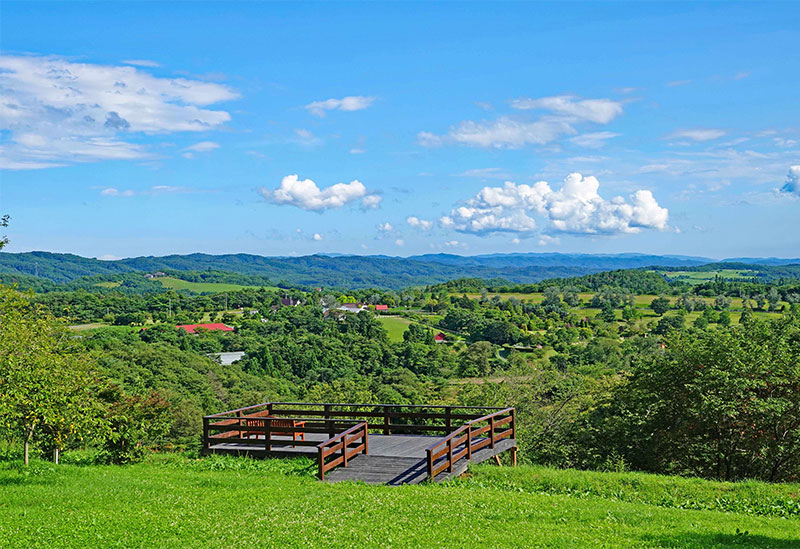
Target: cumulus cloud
[
  {"x": 142, "y": 63},
  {"x": 576, "y": 208},
  {"x": 371, "y": 202},
  {"x": 418, "y": 223},
  {"x": 306, "y": 195},
  {"x": 349, "y": 103},
  {"x": 792, "y": 183},
  {"x": 385, "y": 227},
  {"x": 58, "y": 112},
  {"x": 399, "y": 242},
  {"x": 565, "y": 113},
  {"x": 317, "y": 237},
  {"x": 697, "y": 134}
]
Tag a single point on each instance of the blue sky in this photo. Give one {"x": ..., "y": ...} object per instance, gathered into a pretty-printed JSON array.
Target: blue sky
[{"x": 279, "y": 129}]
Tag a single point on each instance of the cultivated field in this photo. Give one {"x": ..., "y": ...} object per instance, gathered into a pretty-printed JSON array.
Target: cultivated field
[{"x": 200, "y": 287}]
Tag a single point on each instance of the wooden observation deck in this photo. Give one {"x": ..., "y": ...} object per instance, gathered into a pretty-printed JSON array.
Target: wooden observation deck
[{"x": 374, "y": 443}]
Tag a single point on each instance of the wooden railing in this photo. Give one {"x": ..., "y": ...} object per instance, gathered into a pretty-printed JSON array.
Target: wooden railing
[
  {"x": 468, "y": 439},
  {"x": 343, "y": 444},
  {"x": 382, "y": 418}
]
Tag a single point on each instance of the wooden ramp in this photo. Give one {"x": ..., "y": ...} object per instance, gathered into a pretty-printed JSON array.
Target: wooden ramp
[{"x": 396, "y": 470}]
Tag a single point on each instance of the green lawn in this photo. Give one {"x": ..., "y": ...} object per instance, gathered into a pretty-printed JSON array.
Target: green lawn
[
  {"x": 237, "y": 503},
  {"x": 108, "y": 284},
  {"x": 698, "y": 277},
  {"x": 198, "y": 287},
  {"x": 396, "y": 326}
]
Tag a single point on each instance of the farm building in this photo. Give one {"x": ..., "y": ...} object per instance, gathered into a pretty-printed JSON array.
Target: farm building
[
  {"x": 440, "y": 337},
  {"x": 381, "y": 307},
  {"x": 192, "y": 328}
]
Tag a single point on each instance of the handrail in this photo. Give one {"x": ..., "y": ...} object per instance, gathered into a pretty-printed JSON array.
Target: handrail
[
  {"x": 448, "y": 445},
  {"x": 360, "y": 431}
]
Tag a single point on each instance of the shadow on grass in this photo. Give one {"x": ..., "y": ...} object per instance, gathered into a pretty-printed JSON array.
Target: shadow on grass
[{"x": 738, "y": 539}]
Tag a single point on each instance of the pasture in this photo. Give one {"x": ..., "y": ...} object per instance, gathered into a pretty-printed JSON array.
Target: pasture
[
  {"x": 238, "y": 502},
  {"x": 199, "y": 287},
  {"x": 395, "y": 326}
]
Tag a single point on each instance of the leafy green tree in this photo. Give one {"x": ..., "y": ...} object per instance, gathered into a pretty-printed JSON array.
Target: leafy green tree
[
  {"x": 45, "y": 380},
  {"x": 722, "y": 404},
  {"x": 660, "y": 305},
  {"x": 474, "y": 361},
  {"x": 4, "y": 223}
]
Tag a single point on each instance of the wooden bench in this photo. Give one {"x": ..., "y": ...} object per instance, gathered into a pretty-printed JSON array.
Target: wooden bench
[{"x": 259, "y": 420}]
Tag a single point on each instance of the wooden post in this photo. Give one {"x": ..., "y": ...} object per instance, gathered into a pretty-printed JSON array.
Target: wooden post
[
  {"x": 344, "y": 450},
  {"x": 513, "y": 424},
  {"x": 269, "y": 409},
  {"x": 386, "y": 430},
  {"x": 469, "y": 441},
  {"x": 366, "y": 438},
  {"x": 239, "y": 415},
  {"x": 321, "y": 463},
  {"x": 447, "y": 420},
  {"x": 430, "y": 465},
  {"x": 449, "y": 455},
  {"x": 514, "y": 456},
  {"x": 206, "y": 437},
  {"x": 328, "y": 422},
  {"x": 491, "y": 432},
  {"x": 268, "y": 434},
  {"x": 497, "y": 460}
]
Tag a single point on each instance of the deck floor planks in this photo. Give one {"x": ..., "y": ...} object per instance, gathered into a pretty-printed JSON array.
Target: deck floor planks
[{"x": 392, "y": 459}]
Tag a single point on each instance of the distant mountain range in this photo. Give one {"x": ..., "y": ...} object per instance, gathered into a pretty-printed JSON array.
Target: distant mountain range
[{"x": 352, "y": 271}]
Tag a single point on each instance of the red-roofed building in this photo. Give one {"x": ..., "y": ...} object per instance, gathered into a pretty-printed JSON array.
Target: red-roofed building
[
  {"x": 381, "y": 307},
  {"x": 192, "y": 328},
  {"x": 440, "y": 337}
]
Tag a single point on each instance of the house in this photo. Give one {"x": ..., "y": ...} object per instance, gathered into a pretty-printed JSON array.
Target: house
[
  {"x": 440, "y": 338},
  {"x": 218, "y": 327},
  {"x": 226, "y": 359},
  {"x": 351, "y": 307},
  {"x": 381, "y": 307}
]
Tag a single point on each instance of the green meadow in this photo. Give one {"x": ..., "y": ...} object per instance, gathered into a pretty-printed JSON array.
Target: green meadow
[
  {"x": 237, "y": 502},
  {"x": 198, "y": 287}
]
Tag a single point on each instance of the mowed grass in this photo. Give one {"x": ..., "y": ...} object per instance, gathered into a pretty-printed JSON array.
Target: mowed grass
[
  {"x": 199, "y": 287},
  {"x": 698, "y": 277},
  {"x": 395, "y": 326},
  {"x": 217, "y": 503},
  {"x": 108, "y": 284}
]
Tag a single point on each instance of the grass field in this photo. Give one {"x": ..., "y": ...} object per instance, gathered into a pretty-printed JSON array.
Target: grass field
[
  {"x": 236, "y": 502},
  {"x": 108, "y": 284},
  {"x": 199, "y": 287},
  {"x": 698, "y": 277},
  {"x": 396, "y": 326}
]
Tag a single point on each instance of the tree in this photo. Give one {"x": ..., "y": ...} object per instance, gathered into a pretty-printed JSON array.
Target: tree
[
  {"x": 45, "y": 381},
  {"x": 475, "y": 359},
  {"x": 660, "y": 305},
  {"x": 4, "y": 223}
]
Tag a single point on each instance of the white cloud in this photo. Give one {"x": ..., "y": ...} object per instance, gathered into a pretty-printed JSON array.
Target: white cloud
[
  {"x": 599, "y": 111},
  {"x": 546, "y": 240},
  {"x": 697, "y": 134},
  {"x": 576, "y": 208},
  {"x": 454, "y": 244},
  {"x": 59, "y": 112},
  {"x": 385, "y": 227},
  {"x": 201, "y": 147},
  {"x": 154, "y": 190},
  {"x": 357, "y": 151},
  {"x": 565, "y": 113},
  {"x": 677, "y": 83},
  {"x": 593, "y": 140},
  {"x": 416, "y": 222},
  {"x": 399, "y": 242},
  {"x": 142, "y": 63},
  {"x": 371, "y": 202},
  {"x": 108, "y": 257},
  {"x": 305, "y": 137},
  {"x": 317, "y": 237},
  {"x": 349, "y": 103},
  {"x": 784, "y": 143},
  {"x": 485, "y": 173},
  {"x": 306, "y": 195},
  {"x": 792, "y": 183}
]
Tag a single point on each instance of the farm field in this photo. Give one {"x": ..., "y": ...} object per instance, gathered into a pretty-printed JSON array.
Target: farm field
[
  {"x": 108, "y": 284},
  {"x": 698, "y": 277},
  {"x": 395, "y": 326},
  {"x": 198, "y": 287},
  {"x": 236, "y": 502}
]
